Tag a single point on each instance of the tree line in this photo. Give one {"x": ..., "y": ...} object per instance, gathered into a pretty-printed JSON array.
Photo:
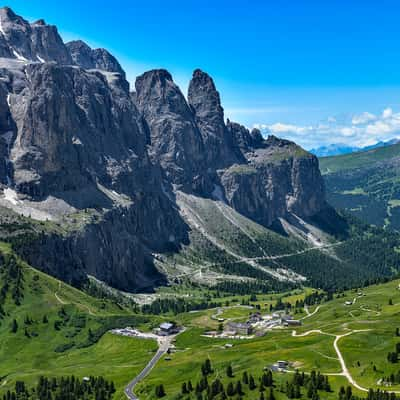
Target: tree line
[{"x": 63, "y": 388}]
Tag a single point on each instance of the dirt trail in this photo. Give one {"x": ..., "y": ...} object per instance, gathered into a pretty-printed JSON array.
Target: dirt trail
[
  {"x": 345, "y": 372},
  {"x": 61, "y": 301},
  {"x": 308, "y": 312}
]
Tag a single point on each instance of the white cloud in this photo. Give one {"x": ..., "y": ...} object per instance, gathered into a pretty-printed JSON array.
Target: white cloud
[
  {"x": 387, "y": 113},
  {"x": 358, "y": 130},
  {"x": 363, "y": 118},
  {"x": 348, "y": 131},
  {"x": 279, "y": 127}
]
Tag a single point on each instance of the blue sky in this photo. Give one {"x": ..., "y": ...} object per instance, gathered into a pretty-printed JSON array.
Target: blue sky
[{"x": 302, "y": 69}]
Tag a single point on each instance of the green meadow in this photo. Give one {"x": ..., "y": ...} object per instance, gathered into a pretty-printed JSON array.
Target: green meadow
[{"x": 63, "y": 331}]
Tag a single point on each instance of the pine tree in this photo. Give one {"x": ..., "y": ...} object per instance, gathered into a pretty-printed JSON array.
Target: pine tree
[
  {"x": 238, "y": 388},
  {"x": 14, "y": 326},
  {"x": 230, "y": 390},
  {"x": 229, "y": 371},
  {"x": 252, "y": 384},
  {"x": 245, "y": 378},
  {"x": 160, "y": 391},
  {"x": 267, "y": 379}
]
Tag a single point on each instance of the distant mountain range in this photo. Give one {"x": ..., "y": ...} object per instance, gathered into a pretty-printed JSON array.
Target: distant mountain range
[{"x": 341, "y": 148}]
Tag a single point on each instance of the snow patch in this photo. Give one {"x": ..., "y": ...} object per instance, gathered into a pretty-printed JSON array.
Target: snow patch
[
  {"x": 1, "y": 28},
  {"x": 11, "y": 196},
  {"x": 76, "y": 140},
  {"x": 18, "y": 56},
  {"x": 40, "y": 59},
  {"x": 9, "y": 99}
]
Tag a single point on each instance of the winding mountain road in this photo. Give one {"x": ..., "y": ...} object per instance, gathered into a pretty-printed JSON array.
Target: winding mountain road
[
  {"x": 164, "y": 343},
  {"x": 163, "y": 348}
]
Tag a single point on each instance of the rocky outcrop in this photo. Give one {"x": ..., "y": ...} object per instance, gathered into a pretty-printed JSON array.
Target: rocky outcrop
[
  {"x": 279, "y": 178},
  {"x": 205, "y": 102},
  {"x": 23, "y": 41},
  {"x": 173, "y": 136},
  {"x": 88, "y": 58},
  {"x": 73, "y": 127},
  {"x": 245, "y": 141}
]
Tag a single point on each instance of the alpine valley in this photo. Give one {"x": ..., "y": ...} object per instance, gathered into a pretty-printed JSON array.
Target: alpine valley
[{"x": 138, "y": 206}]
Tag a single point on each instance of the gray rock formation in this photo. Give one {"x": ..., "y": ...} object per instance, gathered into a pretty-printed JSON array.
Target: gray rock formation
[
  {"x": 34, "y": 42},
  {"x": 279, "y": 178},
  {"x": 102, "y": 164},
  {"x": 72, "y": 141},
  {"x": 205, "y": 102},
  {"x": 244, "y": 140},
  {"x": 88, "y": 58},
  {"x": 174, "y": 138}
]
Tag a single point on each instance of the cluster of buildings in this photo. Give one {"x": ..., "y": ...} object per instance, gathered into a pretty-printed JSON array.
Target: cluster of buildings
[{"x": 256, "y": 324}]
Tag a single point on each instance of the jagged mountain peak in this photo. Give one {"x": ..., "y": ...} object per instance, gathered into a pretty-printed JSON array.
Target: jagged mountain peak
[
  {"x": 8, "y": 14},
  {"x": 153, "y": 76},
  {"x": 157, "y": 88},
  {"x": 86, "y": 57},
  {"x": 205, "y": 101},
  {"x": 203, "y": 80},
  {"x": 36, "y": 42},
  {"x": 203, "y": 95},
  {"x": 40, "y": 22}
]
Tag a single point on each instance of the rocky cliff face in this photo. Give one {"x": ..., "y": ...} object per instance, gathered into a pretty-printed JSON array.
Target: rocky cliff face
[
  {"x": 205, "y": 102},
  {"x": 174, "y": 138},
  {"x": 88, "y": 58},
  {"x": 35, "y": 42},
  {"x": 279, "y": 178},
  {"x": 101, "y": 165}
]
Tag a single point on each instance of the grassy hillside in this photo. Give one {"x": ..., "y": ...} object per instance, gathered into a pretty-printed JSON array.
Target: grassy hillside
[
  {"x": 330, "y": 165},
  {"x": 366, "y": 184},
  {"x": 374, "y": 314},
  {"x": 60, "y": 331}
]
